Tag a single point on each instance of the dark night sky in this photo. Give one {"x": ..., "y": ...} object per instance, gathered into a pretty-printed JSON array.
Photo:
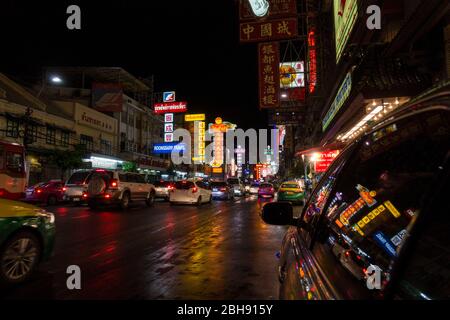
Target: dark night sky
[{"x": 190, "y": 46}]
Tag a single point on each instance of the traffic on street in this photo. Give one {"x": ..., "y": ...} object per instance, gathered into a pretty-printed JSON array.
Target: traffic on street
[{"x": 225, "y": 150}]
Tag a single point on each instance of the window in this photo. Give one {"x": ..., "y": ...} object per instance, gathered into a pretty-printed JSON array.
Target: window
[
  {"x": 427, "y": 273},
  {"x": 78, "y": 177},
  {"x": 65, "y": 138},
  {"x": 12, "y": 128},
  {"x": 375, "y": 200},
  {"x": 105, "y": 147},
  {"x": 14, "y": 162},
  {"x": 87, "y": 141},
  {"x": 50, "y": 137},
  {"x": 32, "y": 133},
  {"x": 2, "y": 155}
]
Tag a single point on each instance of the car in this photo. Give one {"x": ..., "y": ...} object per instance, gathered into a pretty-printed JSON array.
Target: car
[
  {"x": 291, "y": 191},
  {"x": 107, "y": 187},
  {"x": 376, "y": 225},
  {"x": 27, "y": 235},
  {"x": 254, "y": 188},
  {"x": 75, "y": 185},
  {"x": 266, "y": 190},
  {"x": 50, "y": 192},
  {"x": 237, "y": 186},
  {"x": 190, "y": 192},
  {"x": 221, "y": 190},
  {"x": 162, "y": 189}
]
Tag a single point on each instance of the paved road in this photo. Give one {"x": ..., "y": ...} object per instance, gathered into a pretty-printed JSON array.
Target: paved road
[{"x": 217, "y": 251}]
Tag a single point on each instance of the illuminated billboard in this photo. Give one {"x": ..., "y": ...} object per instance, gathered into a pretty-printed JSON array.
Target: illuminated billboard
[
  {"x": 194, "y": 117},
  {"x": 345, "y": 14},
  {"x": 292, "y": 74}
]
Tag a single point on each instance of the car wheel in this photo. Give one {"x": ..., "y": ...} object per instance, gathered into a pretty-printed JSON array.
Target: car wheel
[
  {"x": 125, "y": 201},
  {"x": 210, "y": 199},
  {"x": 199, "y": 201},
  {"x": 51, "y": 200},
  {"x": 19, "y": 257},
  {"x": 150, "y": 200}
]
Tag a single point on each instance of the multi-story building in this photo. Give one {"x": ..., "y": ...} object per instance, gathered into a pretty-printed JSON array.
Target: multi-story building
[{"x": 137, "y": 126}]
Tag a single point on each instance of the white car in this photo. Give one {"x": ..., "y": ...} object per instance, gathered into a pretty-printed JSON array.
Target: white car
[
  {"x": 190, "y": 192},
  {"x": 254, "y": 188}
]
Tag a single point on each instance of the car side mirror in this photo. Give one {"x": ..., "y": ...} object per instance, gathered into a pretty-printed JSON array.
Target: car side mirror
[{"x": 279, "y": 214}]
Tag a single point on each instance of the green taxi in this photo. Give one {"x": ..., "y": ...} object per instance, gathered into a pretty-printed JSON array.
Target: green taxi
[
  {"x": 291, "y": 191},
  {"x": 27, "y": 236}
]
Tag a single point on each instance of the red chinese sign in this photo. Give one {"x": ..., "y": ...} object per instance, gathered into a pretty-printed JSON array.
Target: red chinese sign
[
  {"x": 170, "y": 107},
  {"x": 312, "y": 61},
  {"x": 324, "y": 159},
  {"x": 268, "y": 30},
  {"x": 277, "y": 8},
  {"x": 269, "y": 74}
]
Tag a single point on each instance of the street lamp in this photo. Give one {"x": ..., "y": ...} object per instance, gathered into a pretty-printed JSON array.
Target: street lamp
[{"x": 56, "y": 79}]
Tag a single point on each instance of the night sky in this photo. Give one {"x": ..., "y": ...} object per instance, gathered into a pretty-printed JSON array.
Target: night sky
[{"x": 189, "y": 46}]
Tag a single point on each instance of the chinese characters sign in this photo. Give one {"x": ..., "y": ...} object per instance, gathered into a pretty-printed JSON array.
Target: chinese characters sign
[
  {"x": 268, "y": 30},
  {"x": 269, "y": 75},
  {"x": 277, "y": 8},
  {"x": 312, "y": 55}
]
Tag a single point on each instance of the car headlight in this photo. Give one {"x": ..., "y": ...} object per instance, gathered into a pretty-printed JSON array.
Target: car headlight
[{"x": 47, "y": 216}]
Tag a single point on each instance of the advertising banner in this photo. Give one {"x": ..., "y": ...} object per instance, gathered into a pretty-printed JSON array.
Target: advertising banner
[
  {"x": 269, "y": 74},
  {"x": 194, "y": 117},
  {"x": 107, "y": 97},
  {"x": 268, "y": 30},
  {"x": 292, "y": 74}
]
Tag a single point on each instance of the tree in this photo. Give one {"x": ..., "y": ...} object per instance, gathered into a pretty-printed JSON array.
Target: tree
[
  {"x": 67, "y": 160},
  {"x": 129, "y": 166}
]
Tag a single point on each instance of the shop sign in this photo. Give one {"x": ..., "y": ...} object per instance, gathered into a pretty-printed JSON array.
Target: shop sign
[
  {"x": 168, "y": 147},
  {"x": 169, "y": 96},
  {"x": 194, "y": 117},
  {"x": 96, "y": 121},
  {"x": 269, "y": 30},
  {"x": 339, "y": 100},
  {"x": 217, "y": 170},
  {"x": 251, "y": 9},
  {"x": 165, "y": 107},
  {"x": 312, "y": 61},
  {"x": 269, "y": 75},
  {"x": 345, "y": 15},
  {"x": 324, "y": 160}
]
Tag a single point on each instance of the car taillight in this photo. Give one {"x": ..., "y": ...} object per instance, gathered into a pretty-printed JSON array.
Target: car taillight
[
  {"x": 347, "y": 253},
  {"x": 113, "y": 183},
  {"x": 170, "y": 188},
  {"x": 223, "y": 189},
  {"x": 85, "y": 195},
  {"x": 194, "y": 189},
  {"x": 38, "y": 190},
  {"x": 107, "y": 196},
  {"x": 272, "y": 189},
  {"x": 64, "y": 189}
]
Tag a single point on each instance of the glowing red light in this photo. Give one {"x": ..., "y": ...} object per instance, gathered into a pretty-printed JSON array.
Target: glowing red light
[
  {"x": 194, "y": 189},
  {"x": 64, "y": 189},
  {"x": 38, "y": 190},
  {"x": 107, "y": 196}
]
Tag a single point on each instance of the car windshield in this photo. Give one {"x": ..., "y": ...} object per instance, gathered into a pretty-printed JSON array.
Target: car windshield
[
  {"x": 218, "y": 184},
  {"x": 184, "y": 185},
  {"x": 289, "y": 185},
  {"x": 78, "y": 177},
  {"x": 255, "y": 185},
  {"x": 266, "y": 185}
]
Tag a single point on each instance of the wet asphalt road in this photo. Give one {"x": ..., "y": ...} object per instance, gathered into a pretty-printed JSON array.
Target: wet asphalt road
[{"x": 221, "y": 250}]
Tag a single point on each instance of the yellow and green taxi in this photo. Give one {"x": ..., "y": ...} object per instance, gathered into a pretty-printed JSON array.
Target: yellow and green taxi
[
  {"x": 291, "y": 191},
  {"x": 27, "y": 236}
]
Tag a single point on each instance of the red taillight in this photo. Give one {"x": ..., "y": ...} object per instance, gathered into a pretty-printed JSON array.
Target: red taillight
[
  {"x": 64, "y": 189},
  {"x": 364, "y": 270},
  {"x": 347, "y": 253},
  {"x": 113, "y": 183},
  {"x": 100, "y": 170},
  {"x": 272, "y": 189},
  {"x": 223, "y": 189},
  {"x": 107, "y": 196},
  {"x": 84, "y": 195},
  {"x": 38, "y": 190},
  {"x": 170, "y": 188},
  {"x": 194, "y": 189}
]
